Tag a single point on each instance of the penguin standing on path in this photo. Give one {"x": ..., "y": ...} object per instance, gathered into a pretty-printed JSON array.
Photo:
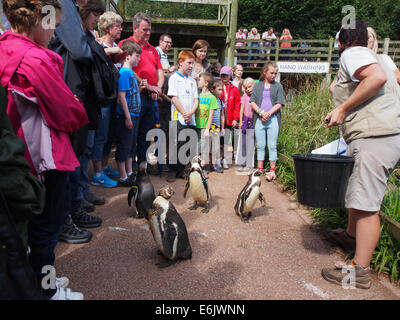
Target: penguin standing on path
[
  {"x": 249, "y": 195},
  {"x": 143, "y": 192},
  {"x": 168, "y": 229},
  {"x": 198, "y": 185}
]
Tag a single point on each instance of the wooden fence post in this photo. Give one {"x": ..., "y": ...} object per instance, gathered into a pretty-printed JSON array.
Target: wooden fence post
[
  {"x": 175, "y": 56},
  {"x": 386, "y": 46},
  {"x": 277, "y": 50},
  {"x": 232, "y": 31}
]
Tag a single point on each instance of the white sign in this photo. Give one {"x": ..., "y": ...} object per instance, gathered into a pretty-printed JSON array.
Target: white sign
[{"x": 303, "y": 67}]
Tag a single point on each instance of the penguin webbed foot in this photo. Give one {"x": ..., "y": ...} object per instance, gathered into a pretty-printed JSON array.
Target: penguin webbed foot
[
  {"x": 137, "y": 215},
  {"x": 246, "y": 219},
  {"x": 165, "y": 264},
  {"x": 194, "y": 206}
]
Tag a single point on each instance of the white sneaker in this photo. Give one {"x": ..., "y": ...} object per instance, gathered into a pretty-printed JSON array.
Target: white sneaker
[
  {"x": 66, "y": 294},
  {"x": 62, "y": 282},
  {"x": 225, "y": 164}
]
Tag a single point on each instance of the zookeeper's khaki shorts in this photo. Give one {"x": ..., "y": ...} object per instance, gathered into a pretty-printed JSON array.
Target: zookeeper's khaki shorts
[{"x": 375, "y": 159}]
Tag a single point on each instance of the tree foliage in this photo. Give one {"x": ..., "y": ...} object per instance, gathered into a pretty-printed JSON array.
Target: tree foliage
[
  {"x": 307, "y": 19},
  {"x": 172, "y": 10}
]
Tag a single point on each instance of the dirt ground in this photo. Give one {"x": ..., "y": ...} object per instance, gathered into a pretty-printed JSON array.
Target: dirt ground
[{"x": 278, "y": 255}]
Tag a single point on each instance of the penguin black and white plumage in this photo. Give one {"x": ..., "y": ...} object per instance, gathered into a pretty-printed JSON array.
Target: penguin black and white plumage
[
  {"x": 168, "y": 229},
  {"x": 198, "y": 185},
  {"x": 249, "y": 195},
  {"x": 143, "y": 191}
]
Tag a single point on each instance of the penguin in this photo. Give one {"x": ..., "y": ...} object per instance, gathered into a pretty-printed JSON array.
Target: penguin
[
  {"x": 168, "y": 229},
  {"x": 198, "y": 185},
  {"x": 248, "y": 196},
  {"x": 143, "y": 191}
]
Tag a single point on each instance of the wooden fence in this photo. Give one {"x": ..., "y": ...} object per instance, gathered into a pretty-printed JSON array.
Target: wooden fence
[
  {"x": 301, "y": 50},
  {"x": 252, "y": 54}
]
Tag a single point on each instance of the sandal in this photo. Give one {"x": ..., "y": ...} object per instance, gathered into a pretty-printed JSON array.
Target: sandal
[
  {"x": 340, "y": 238},
  {"x": 270, "y": 175}
]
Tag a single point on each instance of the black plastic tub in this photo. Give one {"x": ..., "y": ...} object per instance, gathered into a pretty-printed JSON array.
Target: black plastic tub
[{"x": 321, "y": 179}]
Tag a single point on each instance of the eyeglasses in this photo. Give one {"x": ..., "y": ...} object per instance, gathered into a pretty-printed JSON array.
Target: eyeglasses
[{"x": 169, "y": 42}]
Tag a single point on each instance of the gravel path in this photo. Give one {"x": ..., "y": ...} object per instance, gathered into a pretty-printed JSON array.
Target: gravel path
[{"x": 278, "y": 255}]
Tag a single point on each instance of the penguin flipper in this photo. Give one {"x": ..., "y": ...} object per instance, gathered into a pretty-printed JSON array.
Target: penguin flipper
[{"x": 132, "y": 193}]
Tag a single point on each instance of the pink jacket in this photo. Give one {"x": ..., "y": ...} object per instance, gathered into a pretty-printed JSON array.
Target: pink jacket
[{"x": 42, "y": 109}]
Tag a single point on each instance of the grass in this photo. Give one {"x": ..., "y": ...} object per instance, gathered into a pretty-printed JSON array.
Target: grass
[{"x": 300, "y": 121}]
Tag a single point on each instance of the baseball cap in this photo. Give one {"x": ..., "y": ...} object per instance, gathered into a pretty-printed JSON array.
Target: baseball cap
[{"x": 226, "y": 70}]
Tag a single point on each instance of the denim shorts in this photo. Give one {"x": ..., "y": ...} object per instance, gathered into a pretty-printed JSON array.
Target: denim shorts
[{"x": 126, "y": 139}]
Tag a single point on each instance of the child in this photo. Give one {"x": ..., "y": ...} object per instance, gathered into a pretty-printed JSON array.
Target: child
[
  {"x": 127, "y": 112},
  {"x": 245, "y": 122},
  {"x": 231, "y": 98},
  {"x": 218, "y": 126},
  {"x": 204, "y": 115},
  {"x": 43, "y": 112},
  {"x": 182, "y": 89}
]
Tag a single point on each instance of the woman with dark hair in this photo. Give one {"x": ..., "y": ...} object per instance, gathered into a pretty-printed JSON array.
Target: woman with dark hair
[
  {"x": 366, "y": 97},
  {"x": 201, "y": 64}
]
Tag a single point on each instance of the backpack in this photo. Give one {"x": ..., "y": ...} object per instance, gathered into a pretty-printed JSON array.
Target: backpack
[{"x": 105, "y": 74}]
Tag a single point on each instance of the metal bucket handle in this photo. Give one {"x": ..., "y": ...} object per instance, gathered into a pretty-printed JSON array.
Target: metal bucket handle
[{"x": 326, "y": 121}]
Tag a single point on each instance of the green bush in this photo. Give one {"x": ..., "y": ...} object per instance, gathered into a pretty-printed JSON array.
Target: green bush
[{"x": 301, "y": 132}]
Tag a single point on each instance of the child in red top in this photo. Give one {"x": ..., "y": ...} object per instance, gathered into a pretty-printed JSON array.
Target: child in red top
[{"x": 231, "y": 97}]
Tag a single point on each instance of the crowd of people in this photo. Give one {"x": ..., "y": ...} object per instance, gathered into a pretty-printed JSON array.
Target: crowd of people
[
  {"x": 111, "y": 94},
  {"x": 266, "y": 42},
  {"x": 105, "y": 94}
]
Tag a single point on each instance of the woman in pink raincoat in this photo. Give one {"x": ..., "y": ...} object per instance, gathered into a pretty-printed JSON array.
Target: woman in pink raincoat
[{"x": 43, "y": 112}]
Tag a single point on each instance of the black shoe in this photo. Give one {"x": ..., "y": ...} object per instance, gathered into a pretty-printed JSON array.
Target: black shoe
[
  {"x": 126, "y": 183},
  {"x": 90, "y": 197},
  {"x": 82, "y": 219},
  {"x": 211, "y": 168},
  {"x": 171, "y": 176},
  {"x": 72, "y": 234},
  {"x": 153, "y": 170},
  {"x": 86, "y": 205}
]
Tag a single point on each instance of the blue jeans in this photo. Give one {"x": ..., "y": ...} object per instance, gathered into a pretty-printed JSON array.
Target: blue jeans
[
  {"x": 111, "y": 132},
  {"x": 78, "y": 180},
  {"x": 44, "y": 229},
  {"x": 267, "y": 132},
  {"x": 253, "y": 44},
  {"x": 101, "y": 134}
]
